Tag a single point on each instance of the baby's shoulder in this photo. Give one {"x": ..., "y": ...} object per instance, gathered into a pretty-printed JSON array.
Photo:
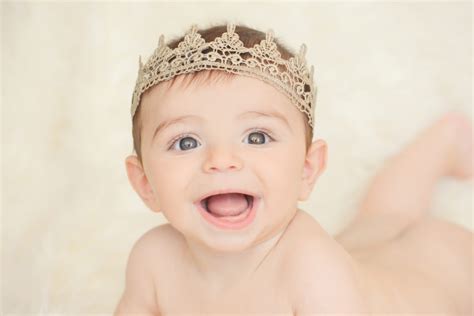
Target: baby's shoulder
[
  {"x": 159, "y": 244},
  {"x": 307, "y": 239},
  {"x": 321, "y": 275},
  {"x": 149, "y": 256},
  {"x": 164, "y": 237},
  {"x": 164, "y": 233}
]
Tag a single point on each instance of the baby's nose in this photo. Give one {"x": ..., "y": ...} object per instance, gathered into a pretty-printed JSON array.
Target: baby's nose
[{"x": 221, "y": 159}]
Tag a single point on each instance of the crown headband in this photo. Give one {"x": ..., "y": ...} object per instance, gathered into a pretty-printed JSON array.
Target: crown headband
[{"x": 193, "y": 54}]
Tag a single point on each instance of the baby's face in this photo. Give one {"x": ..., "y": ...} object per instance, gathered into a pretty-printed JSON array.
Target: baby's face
[{"x": 241, "y": 135}]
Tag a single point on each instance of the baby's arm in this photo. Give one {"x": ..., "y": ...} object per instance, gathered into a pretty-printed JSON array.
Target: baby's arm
[{"x": 139, "y": 295}]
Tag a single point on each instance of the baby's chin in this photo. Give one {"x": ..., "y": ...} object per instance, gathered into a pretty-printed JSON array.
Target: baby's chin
[
  {"x": 227, "y": 242},
  {"x": 238, "y": 241},
  {"x": 213, "y": 240}
]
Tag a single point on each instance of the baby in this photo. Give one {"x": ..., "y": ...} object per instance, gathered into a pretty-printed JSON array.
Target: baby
[{"x": 222, "y": 126}]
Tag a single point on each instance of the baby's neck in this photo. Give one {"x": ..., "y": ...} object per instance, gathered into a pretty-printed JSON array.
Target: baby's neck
[{"x": 222, "y": 270}]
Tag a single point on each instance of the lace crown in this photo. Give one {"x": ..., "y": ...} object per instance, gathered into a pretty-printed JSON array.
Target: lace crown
[{"x": 224, "y": 53}]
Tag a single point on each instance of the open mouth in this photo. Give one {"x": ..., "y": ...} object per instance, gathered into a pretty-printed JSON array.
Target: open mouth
[{"x": 229, "y": 210}]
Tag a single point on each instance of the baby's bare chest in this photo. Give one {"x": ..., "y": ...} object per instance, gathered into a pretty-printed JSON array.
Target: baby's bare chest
[{"x": 260, "y": 294}]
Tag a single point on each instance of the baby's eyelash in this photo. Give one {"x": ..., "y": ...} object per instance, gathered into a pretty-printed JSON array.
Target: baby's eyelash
[
  {"x": 176, "y": 139},
  {"x": 262, "y": 130}
]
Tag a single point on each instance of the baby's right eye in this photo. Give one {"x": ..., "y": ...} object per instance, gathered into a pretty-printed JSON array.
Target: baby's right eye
[{"x": 184, "y": 143}]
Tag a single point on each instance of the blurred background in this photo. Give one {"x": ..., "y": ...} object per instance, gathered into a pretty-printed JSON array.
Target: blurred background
[{"x": 69, "y": 218}]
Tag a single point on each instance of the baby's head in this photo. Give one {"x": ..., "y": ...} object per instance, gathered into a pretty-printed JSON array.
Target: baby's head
[
  {"x": 210, "y": 132},
  {"x": 249, "y": 38}
]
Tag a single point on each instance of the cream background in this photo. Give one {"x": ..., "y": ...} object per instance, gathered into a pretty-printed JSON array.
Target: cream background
[{"x": 69, "y": 216}]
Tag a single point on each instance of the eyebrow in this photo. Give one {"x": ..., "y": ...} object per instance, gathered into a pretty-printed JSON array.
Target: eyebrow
[
  {"x": 176, "y": 120},
  {"x": 271, "y": 114},
  {"x": 167, "y": 123}
]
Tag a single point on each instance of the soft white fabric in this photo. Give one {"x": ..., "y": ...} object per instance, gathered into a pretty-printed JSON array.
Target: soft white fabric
[{"x": 69, "y": 215}]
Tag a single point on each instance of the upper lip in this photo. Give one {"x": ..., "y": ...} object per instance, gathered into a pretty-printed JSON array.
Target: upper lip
[{"x": 224, "y": 191}]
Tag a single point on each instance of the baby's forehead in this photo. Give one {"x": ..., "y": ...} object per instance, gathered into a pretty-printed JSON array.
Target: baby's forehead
[{"x": 227, "y": 92}]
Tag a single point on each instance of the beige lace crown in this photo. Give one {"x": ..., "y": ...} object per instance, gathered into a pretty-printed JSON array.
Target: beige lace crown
[{"x": 224, "y": 53}]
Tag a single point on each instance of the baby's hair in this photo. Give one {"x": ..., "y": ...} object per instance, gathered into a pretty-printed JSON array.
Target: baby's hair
[{"x": 249, "y": 37}]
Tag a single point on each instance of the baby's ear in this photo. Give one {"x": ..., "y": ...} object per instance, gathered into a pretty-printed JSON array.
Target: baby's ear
[
  {"x": 139, "y": 182},
  {"x": 314, "y": 165}
]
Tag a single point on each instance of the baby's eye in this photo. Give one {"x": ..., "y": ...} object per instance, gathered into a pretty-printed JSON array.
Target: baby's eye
[
  {"x": 184, "y": 143},
  {"x": 258, "y": 137}
]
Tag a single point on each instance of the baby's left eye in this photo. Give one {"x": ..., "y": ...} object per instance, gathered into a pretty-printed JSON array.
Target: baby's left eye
[{"x": 258, "y": 137}]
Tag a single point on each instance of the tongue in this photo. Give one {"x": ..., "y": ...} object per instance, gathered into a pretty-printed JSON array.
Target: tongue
[{"x": 227, "y": 204}]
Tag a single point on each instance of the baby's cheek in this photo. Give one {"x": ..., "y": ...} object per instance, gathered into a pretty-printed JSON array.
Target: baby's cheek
[
  {"x": 172, "y": 177},
  {"x": 281, "y": 171},
  {"x": 290, "y": 173}
]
